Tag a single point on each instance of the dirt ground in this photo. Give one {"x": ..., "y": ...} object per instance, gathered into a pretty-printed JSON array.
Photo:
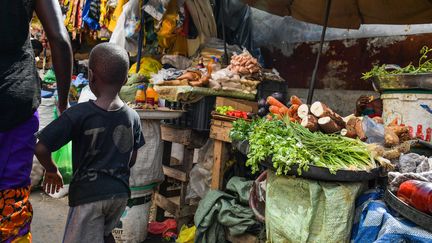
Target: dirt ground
[{"x": 49, "y": 218}]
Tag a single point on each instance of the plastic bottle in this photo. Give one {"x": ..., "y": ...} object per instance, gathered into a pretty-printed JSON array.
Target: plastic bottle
[
  {"x": 215, "y": 65},
  {"x": 140, "y": 96},
  {"x": 151, "y": 95},
  {"x": 417, "y": 194}
]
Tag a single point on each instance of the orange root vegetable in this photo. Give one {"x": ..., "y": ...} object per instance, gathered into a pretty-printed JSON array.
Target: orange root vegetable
[
  {"x": 303, "y": 111},
  {"x": 321, "y": 110},
  {"x": 293, "y": 110},
  {"x": 297, "y": 118},
  {"x": 274, "y": 110},
  {"x": 359, "y": 129},
  {"x": 351, "y": 133},
  {"x": 269, "y": 117},
  {"x": 310, "y": 122},
  {"x": 328, "y": 125},
  {"x": 274, "y": 102},
  {"x": 295, "y": 100},
  {"x": 390, "y": 138},
  {"x": 283, "y": 111},
  {"x": 378, "y": 120}
]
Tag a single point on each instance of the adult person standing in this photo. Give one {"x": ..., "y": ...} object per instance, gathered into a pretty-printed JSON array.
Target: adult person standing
[{"x": 19, "y": 100}]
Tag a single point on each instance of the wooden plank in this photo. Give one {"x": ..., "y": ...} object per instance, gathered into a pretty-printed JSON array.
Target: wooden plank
[
  {"x": 175, "y": 173},
  {"x": 166, "y": 204},
  {"x": 217, "y": 173},
  {"x": 238, "y": 104},
  {"x": 187, "y": 167},
  {"x": 176, "y": 135},
  {"x": 220, "y": 133},
  {"x": 187, "y": 137}
]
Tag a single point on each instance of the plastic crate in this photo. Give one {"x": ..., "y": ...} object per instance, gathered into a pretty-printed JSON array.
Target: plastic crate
[{"x": 197, "y": 115}]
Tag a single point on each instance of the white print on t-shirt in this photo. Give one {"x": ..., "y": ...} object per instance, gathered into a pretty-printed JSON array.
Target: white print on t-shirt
[
  {"x": 123, "y": 139},
  {"x": 94, "y": 133}
]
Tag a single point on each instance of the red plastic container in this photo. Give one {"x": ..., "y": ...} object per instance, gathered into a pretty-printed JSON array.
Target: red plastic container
[{"x": 418, "y": 194}]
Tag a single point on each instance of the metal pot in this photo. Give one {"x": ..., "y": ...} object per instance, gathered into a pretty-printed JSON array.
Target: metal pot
[{"x": 402, "y": 81}]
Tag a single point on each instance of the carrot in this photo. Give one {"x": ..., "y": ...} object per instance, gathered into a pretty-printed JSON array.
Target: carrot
[
  {"x": 274, "y": 102},
  {"x": 293, "y": 110},
  {"x": 274, "y": 110},
  {"x": 269, "y": 117},
  {"x": 296, "y": 100},
  {"x": 283, "y": 110}
]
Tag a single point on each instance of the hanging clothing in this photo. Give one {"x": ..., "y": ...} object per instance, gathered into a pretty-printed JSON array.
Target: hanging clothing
[
  {"x": 91, "y": 14},
  {"x": 117, "y": 12}
]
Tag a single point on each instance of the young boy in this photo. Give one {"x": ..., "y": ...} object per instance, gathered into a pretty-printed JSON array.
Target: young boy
[{"x": 105, "y": 135}]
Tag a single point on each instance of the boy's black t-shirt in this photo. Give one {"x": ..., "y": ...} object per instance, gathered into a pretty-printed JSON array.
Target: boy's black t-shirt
[{"x": 102, "y": 146}]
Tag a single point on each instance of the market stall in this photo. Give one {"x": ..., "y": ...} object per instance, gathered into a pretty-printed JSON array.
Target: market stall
[{"x": 229, "y": 156}]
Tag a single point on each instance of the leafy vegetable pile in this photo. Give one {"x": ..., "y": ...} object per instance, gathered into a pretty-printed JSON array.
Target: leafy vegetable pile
[
  {"x": 288, "y": 143},
  {"x": 424, "y": 66}
]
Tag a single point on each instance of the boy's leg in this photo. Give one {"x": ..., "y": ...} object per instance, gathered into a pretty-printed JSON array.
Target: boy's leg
[
  {"x": 85, "y": 223},
  {"x": 113, "y": 210}
]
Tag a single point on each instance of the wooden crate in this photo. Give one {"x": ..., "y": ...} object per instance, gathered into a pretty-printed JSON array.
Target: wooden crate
[
  {"x": 242, "y": 105},
  {"x": 220, "y": 130}
]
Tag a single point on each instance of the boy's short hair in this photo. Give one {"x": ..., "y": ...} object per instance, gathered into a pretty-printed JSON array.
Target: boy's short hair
[{"x": 110, "y": 63}]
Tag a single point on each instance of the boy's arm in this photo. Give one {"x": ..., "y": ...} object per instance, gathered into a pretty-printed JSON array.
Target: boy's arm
[
  {"x": 53, "y": 180},
  {"x": 133, "y": 159}
]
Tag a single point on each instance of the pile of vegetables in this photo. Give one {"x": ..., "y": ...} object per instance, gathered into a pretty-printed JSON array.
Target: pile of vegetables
[
  {"x": 274, "y": 105},
  {"x": 288, "y": 143},
  {"x": 230, "y": 111},
  {"x": 244, "y": 64},
  {"x": 424, "y": 66}
]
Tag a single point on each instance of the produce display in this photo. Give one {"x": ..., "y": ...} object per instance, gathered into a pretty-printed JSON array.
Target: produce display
[
  {"x": 231, "y": 112},
  {"x": 424, "y": 66},
  {"x": 244, "y": 64},
  {"x": 242, "y": 75},
  {"x": 288, "y": 143}
]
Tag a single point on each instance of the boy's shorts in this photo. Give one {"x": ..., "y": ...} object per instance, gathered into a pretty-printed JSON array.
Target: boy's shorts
[{"x": 92, "y": 222}]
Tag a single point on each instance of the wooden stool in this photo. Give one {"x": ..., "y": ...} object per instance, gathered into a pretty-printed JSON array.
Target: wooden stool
[{"x": 174, "y": 202}]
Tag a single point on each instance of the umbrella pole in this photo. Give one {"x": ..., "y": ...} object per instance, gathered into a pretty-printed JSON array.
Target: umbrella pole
[
  {"x": 140, "y": 41},
  {"x": 223, "y": 32},
  {"x": 314, "y": 73}
]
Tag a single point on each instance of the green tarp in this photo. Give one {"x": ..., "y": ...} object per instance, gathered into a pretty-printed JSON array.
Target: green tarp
[{"x": 300, "y": 210}]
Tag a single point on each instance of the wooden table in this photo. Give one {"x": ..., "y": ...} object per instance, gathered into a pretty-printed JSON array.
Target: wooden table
[{"x": 219, "y": 131}]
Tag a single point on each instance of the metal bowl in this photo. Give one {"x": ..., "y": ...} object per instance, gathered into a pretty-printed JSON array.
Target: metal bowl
[
  {"x": 403, "y": 81},
  {"x": 324, "y": 174},
  {"x": 421, "y": 219}
]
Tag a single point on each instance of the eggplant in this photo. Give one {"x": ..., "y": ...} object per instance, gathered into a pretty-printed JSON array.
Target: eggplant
[
  {"x": 262, "y": 112},
  {"x": 251, "y": 115},
  {"x": 279, "y": 96},
  {"x": 262, "y": 103}
]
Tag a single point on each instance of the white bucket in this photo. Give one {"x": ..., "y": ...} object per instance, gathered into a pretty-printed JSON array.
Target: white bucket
[
  {"x": 132, "y": 227},
  {"x": 412, "y": 109}
]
